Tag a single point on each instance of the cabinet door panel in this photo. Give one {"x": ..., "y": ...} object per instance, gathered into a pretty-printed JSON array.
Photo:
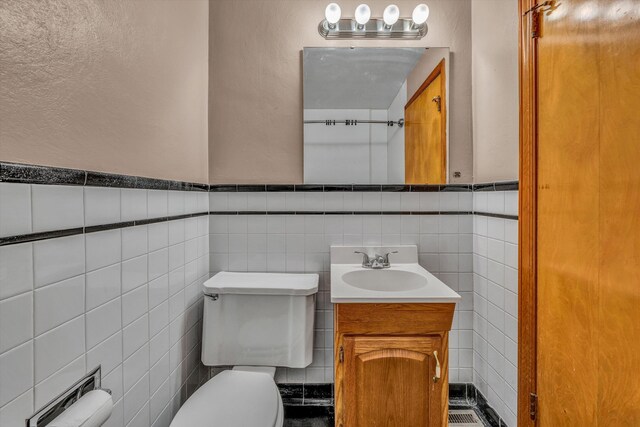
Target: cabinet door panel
[{"x": 389, "y": 381}]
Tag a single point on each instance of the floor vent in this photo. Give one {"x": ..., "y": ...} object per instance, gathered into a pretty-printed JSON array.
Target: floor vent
[{"x": 464, "y": 418}]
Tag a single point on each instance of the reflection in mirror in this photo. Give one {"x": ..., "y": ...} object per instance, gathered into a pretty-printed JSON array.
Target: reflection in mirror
[{"x": 376, "y": 115}]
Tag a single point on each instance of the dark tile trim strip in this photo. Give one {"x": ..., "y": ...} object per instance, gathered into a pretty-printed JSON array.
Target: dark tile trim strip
[
  {"x": 251, "y": 188},
  {"x": 507, "y": 186},
  {"x": 325, "y": 391},
  {"x": 291, "y": 391},
  {"x": 318, "y": 391},
  {"x": 223, "y": 188},
  {"x": 100, "y": 179},
  {"x": 309, "y": 188},
  {"x": 347, "y": 188},
  {"x": 457, "y": 391},
  {"x": 35, "y": 174},
  {"x": 461, "y": 395},
  {"x": 364, "y": 188},
  {"x": 105, "y": 227},
  {"x": 367, "y": 188},
  {"x": 231, "y": 213},
  {"x": 309, "y": 414},
  {"x": 425, "y": 188},
  {"x": 456, "y": 188},
  {"x": 335, "y": 188},
  {"x": 484, "y": 187},
  {"x": 490, "y": 415},
  {"x": 495, "y": 215},
  {"x": 497, "y": 186},
  {"x": 298, "y": 392},
  {"x": 34, "y": 237},
  {"x": 280, "y": 188}
]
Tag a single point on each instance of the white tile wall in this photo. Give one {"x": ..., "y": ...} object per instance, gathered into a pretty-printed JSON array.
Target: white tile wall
[
  {"x": 15, "y": 217},
  {"x": 495, "y": 286},
  {"x": 395, "y": 138},
  {"x": 339, "y": 154},
  {"x": 68, "y": 304},
  {"x": 56, "y": 207},
  {"x": 129, "y": 298},
  {"x": 300, "y": 243}
]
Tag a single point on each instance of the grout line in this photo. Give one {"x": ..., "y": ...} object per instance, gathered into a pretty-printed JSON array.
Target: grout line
[{"x": 33, "y": 314}]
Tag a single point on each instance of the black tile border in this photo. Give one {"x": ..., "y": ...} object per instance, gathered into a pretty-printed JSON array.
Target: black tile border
[
  {"x": 457, "y": 391},
  {"x": 35, "y": 174},
  {"x": 307, "y": 400},
  {"x": 309, "y": 412},
  {"x": 38, "y": 174},
  {"x": 329, "y": 213},
  {"x": 495, "y": 215},
  {"x": 332, "y": 188},
  {"x": 366, "y": 188},
  {"x": 490, "y": 416},
  {"x": 497, "y": 186},
  {"x": 45, "y": 235},
  {"x": 35, "y": 237},
  {"x": 318, "y": 391},
  {"x": 355, "y": 213}
]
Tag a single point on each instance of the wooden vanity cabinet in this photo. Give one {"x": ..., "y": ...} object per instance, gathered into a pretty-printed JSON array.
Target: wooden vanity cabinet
[{"x": 386, "y": 364}]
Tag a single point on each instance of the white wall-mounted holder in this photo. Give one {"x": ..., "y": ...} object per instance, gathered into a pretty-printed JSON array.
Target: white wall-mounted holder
[
  {"x": 362, "y": 26},
  {"x": 49, "y": 412}
]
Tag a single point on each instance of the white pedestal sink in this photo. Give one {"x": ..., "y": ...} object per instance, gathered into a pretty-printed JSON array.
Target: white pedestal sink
[{"x": 404, "y": 281}]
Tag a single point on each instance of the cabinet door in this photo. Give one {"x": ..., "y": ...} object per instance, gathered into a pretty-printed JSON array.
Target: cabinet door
[{"x": 389, "y": 381}]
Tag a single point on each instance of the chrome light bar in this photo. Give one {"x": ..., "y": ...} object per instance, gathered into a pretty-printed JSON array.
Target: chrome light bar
[{"x": 348, "y": 28}]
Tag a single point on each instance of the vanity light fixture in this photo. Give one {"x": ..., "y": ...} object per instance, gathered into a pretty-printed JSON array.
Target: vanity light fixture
[
  {"x": 420, "y": 14},
  {"x": 390, "y": 16},
  {"x": 363, "y": 26},
  {"x": 363, "y": 14},
  {"x": 332, "y": 14}
]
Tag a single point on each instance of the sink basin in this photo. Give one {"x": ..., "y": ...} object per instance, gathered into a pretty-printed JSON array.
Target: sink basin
[
  {"x": 406, "y": 281},
  {"x": 385, "y": 280}
]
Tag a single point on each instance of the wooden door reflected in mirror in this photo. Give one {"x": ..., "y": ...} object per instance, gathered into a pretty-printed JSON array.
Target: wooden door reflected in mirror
[{"x": 426, "y": 131}]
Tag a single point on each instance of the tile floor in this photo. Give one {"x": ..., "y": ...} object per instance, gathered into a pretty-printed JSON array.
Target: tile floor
[{"x": 327, "y": 420}]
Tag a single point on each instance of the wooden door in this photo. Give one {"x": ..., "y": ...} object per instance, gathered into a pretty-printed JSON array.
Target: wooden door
[
  {"x": 426, "y": 131},
  {"x": 580, "y": 211},
  {"x": 389, "y": 381}
]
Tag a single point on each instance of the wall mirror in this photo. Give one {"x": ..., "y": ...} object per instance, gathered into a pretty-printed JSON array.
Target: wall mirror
[{"x": 376, "y": 115}]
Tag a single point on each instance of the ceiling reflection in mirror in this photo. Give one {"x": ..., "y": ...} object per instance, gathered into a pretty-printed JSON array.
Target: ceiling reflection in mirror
[{"x": 376, "y": 115}]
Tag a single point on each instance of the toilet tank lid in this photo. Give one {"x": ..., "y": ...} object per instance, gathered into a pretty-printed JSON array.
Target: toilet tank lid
[{"x": 262, "y": 284}]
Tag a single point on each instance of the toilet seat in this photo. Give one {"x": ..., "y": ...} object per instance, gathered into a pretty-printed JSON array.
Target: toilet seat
[{"x": 233, "y": 399}]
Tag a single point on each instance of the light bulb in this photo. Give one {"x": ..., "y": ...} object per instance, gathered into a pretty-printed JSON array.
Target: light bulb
[
  {"x": 420, "y": 14},
  {"x": 391, "y": 14},
  {"x": 332, "y": 13},
  {"x": 363, "y": 13}
]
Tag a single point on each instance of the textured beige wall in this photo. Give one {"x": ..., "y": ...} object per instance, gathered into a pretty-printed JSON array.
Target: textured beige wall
[
  {"x": 495, "y": 90},
  {"x": 113, "y": 85},
  {"x": 255, "y": 82}
]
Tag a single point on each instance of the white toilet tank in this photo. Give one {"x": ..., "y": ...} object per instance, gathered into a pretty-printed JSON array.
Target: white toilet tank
[{"x": 259, "y": 319}]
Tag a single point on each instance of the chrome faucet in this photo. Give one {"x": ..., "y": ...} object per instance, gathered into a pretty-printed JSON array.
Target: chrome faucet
[{"x": 377, "y": 262}]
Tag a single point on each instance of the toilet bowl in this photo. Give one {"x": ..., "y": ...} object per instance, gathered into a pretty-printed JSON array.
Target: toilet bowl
[
  {"x": 234, "y": 398},
  {"x": 254, "y": 321}
]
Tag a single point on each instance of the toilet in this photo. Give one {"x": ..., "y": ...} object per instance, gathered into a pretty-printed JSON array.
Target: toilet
[{"x": 254, "y": 322}]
